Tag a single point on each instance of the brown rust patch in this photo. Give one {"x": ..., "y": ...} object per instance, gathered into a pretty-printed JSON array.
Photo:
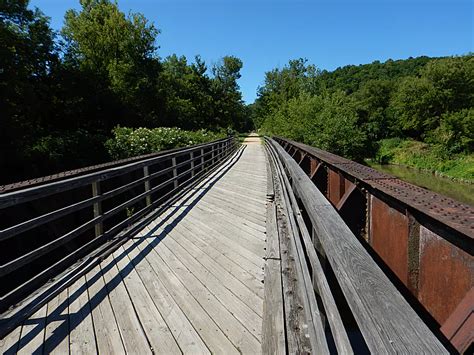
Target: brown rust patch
[
  {"x": 446, "y": 275},
  {"x": 336, "y": 186},
  {"x": 389, "y": 237}
]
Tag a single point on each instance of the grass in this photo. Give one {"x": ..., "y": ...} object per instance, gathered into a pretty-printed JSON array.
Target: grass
[{"x": 427, "y": 157}]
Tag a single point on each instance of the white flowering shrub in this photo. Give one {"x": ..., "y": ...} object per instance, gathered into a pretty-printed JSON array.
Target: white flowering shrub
[{"x": 129, "y": 142}]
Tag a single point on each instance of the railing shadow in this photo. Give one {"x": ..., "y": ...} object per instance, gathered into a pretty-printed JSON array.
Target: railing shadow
[{"x": 70, "y": 322}]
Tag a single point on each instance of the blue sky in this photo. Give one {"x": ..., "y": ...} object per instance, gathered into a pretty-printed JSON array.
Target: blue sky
[{"x": 265, "y": 34}]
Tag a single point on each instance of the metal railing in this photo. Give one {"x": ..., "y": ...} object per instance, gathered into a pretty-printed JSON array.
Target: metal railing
[
  {"x": 47, "y": 228},
  {"x": 423, "y": 240},
  {"x": 336, "y": 296}
]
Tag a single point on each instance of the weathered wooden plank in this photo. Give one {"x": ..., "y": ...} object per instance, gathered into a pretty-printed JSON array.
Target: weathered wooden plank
[
  {"x": 186, "y": 336},
  {"x": 312, "y": 316},
  {"x": 254, "y": 231},
  {"x": 106, "y": 328},
  {"x": 297, "y": 341},
  {"x": 231, "y": 232},
  {"x": 234, "y": 329},
  {"x": 242, "y": 198},
  {"x": 81, "y": 336},
  {"x": 9, "y": 344},
  {"x": 242, "y": 224},
  {"x": 273, "y": 243},
  {"x": 250, "y": 319},
  {"x": 257, "y": 186},
  {"x": 134, "y": 339},
  {"x": 200, "y": 260},
  {"x": 273, "y": 329},
  {"x": 225, "y": 259},
  {"x": 259, "y": 226},
  {"x": 209, "y": 331},
  {"x": 157, "y": 332},
  {"x": 32, "y": 333},
  {"x": 56, "y": 339},
  {"x": 225, "y": 239},
  {"x": 242, "y": 339},
  {"x": 229, "y": 182},
  {"x": 373, "y": 299},
  {"x": 235, "y": 194},
  {"x": 245, "y": 207},
  {"x": 255, "y": 219},
  {"x": 251, "y": 208},
  {"x": 224, "y": 248},
  {"x": 339, "y": 333}
]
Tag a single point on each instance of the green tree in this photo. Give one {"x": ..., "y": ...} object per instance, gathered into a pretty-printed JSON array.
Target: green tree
[
  {"x": 229, "y": 109},
  {"x": 372, "y": 102},
  {"x": 417, "y": 105},
  {"x": 455, "y": 133},
  {"x": 444, "y": 85},
  {"x": 453, "y": 79},
  {"x": 119, "y": 50},
  {"x": 27, "y": 54}
]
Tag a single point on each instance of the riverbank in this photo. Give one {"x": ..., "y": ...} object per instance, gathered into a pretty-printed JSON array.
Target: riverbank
[
  {"x": 462, "y": 192},
  {"x": 425, "y": 157}
]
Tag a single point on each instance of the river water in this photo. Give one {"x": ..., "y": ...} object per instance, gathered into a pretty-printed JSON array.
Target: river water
[{"x": 461, "y": 192}]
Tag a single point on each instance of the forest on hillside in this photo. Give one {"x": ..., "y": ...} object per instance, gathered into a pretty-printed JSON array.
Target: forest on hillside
[
  {"x": 64, "y": 95},
  {"x": 416, "y": 112},
  {"x": 98, "y": 90}
]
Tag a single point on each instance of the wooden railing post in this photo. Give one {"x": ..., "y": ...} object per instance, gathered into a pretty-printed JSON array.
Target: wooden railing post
[
  {"x": 212, "y": 155},
  {"x": 99, "y": 227},
  {"x": 191, "y": 155},
  {"x": 175, "y": 172},
  {"x": 202, "y": 158},
  {"x": 147, "y": 185}
]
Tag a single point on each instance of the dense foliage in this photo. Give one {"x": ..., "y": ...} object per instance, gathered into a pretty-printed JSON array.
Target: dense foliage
[
  {"x": 352, "y": 110},
  {"x": 61, "y": 94},
  {"x": 129, "y": 142}
]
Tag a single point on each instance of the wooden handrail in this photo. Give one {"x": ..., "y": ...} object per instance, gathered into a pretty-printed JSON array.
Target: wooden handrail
[
  {"x": 149, "y": 198},
  {"x": 386, "y": 320},
  {"x": 28, "y": 194}
]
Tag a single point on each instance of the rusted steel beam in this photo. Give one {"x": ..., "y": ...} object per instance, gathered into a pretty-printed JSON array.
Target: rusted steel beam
[
  {"x": 336, "y": 186},
  {"x": 349, "y": 191},
  {"x": 458, "y": 328},
  {"x": 449, "y": 212},
  {"x": 314, "y": 166},
  {"x": 302, "y": 156},
  {"x": 446, "y": 274},
  {"x": 389, "y": 236},
  {"x": 352, "y": 208},
  {"x": 424, "y": 238}
]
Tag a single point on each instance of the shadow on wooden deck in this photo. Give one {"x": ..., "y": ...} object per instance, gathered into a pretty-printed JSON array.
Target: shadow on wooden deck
[{"x": 71, "y": 321}]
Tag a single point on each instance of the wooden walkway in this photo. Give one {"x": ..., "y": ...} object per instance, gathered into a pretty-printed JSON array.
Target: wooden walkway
[{"x": 190, "y": 282}]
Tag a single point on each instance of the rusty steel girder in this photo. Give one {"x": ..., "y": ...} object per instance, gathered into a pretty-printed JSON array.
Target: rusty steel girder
[
  {"x": 455, "y": 214},
  {"x": 422, "y": 239}
]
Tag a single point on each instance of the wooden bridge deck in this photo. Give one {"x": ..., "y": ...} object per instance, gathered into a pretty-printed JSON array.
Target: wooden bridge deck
[{"x": 191, "y": 281}]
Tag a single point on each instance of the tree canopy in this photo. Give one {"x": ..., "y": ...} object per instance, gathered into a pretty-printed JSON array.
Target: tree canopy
[
  {"x": 63, "y": 93},
  {"x": 348, "y": 111}
]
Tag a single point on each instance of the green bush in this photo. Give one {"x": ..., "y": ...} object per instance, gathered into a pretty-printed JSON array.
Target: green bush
[
  {"x": 129, "y": 142},
  {"x": 325, "y": 121},
  {"x": 455, "y": 133},
  {"x": 385, "y": 152},
  {"x": 67, "y": 149},
  {"x": 425, "y": 156}
]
